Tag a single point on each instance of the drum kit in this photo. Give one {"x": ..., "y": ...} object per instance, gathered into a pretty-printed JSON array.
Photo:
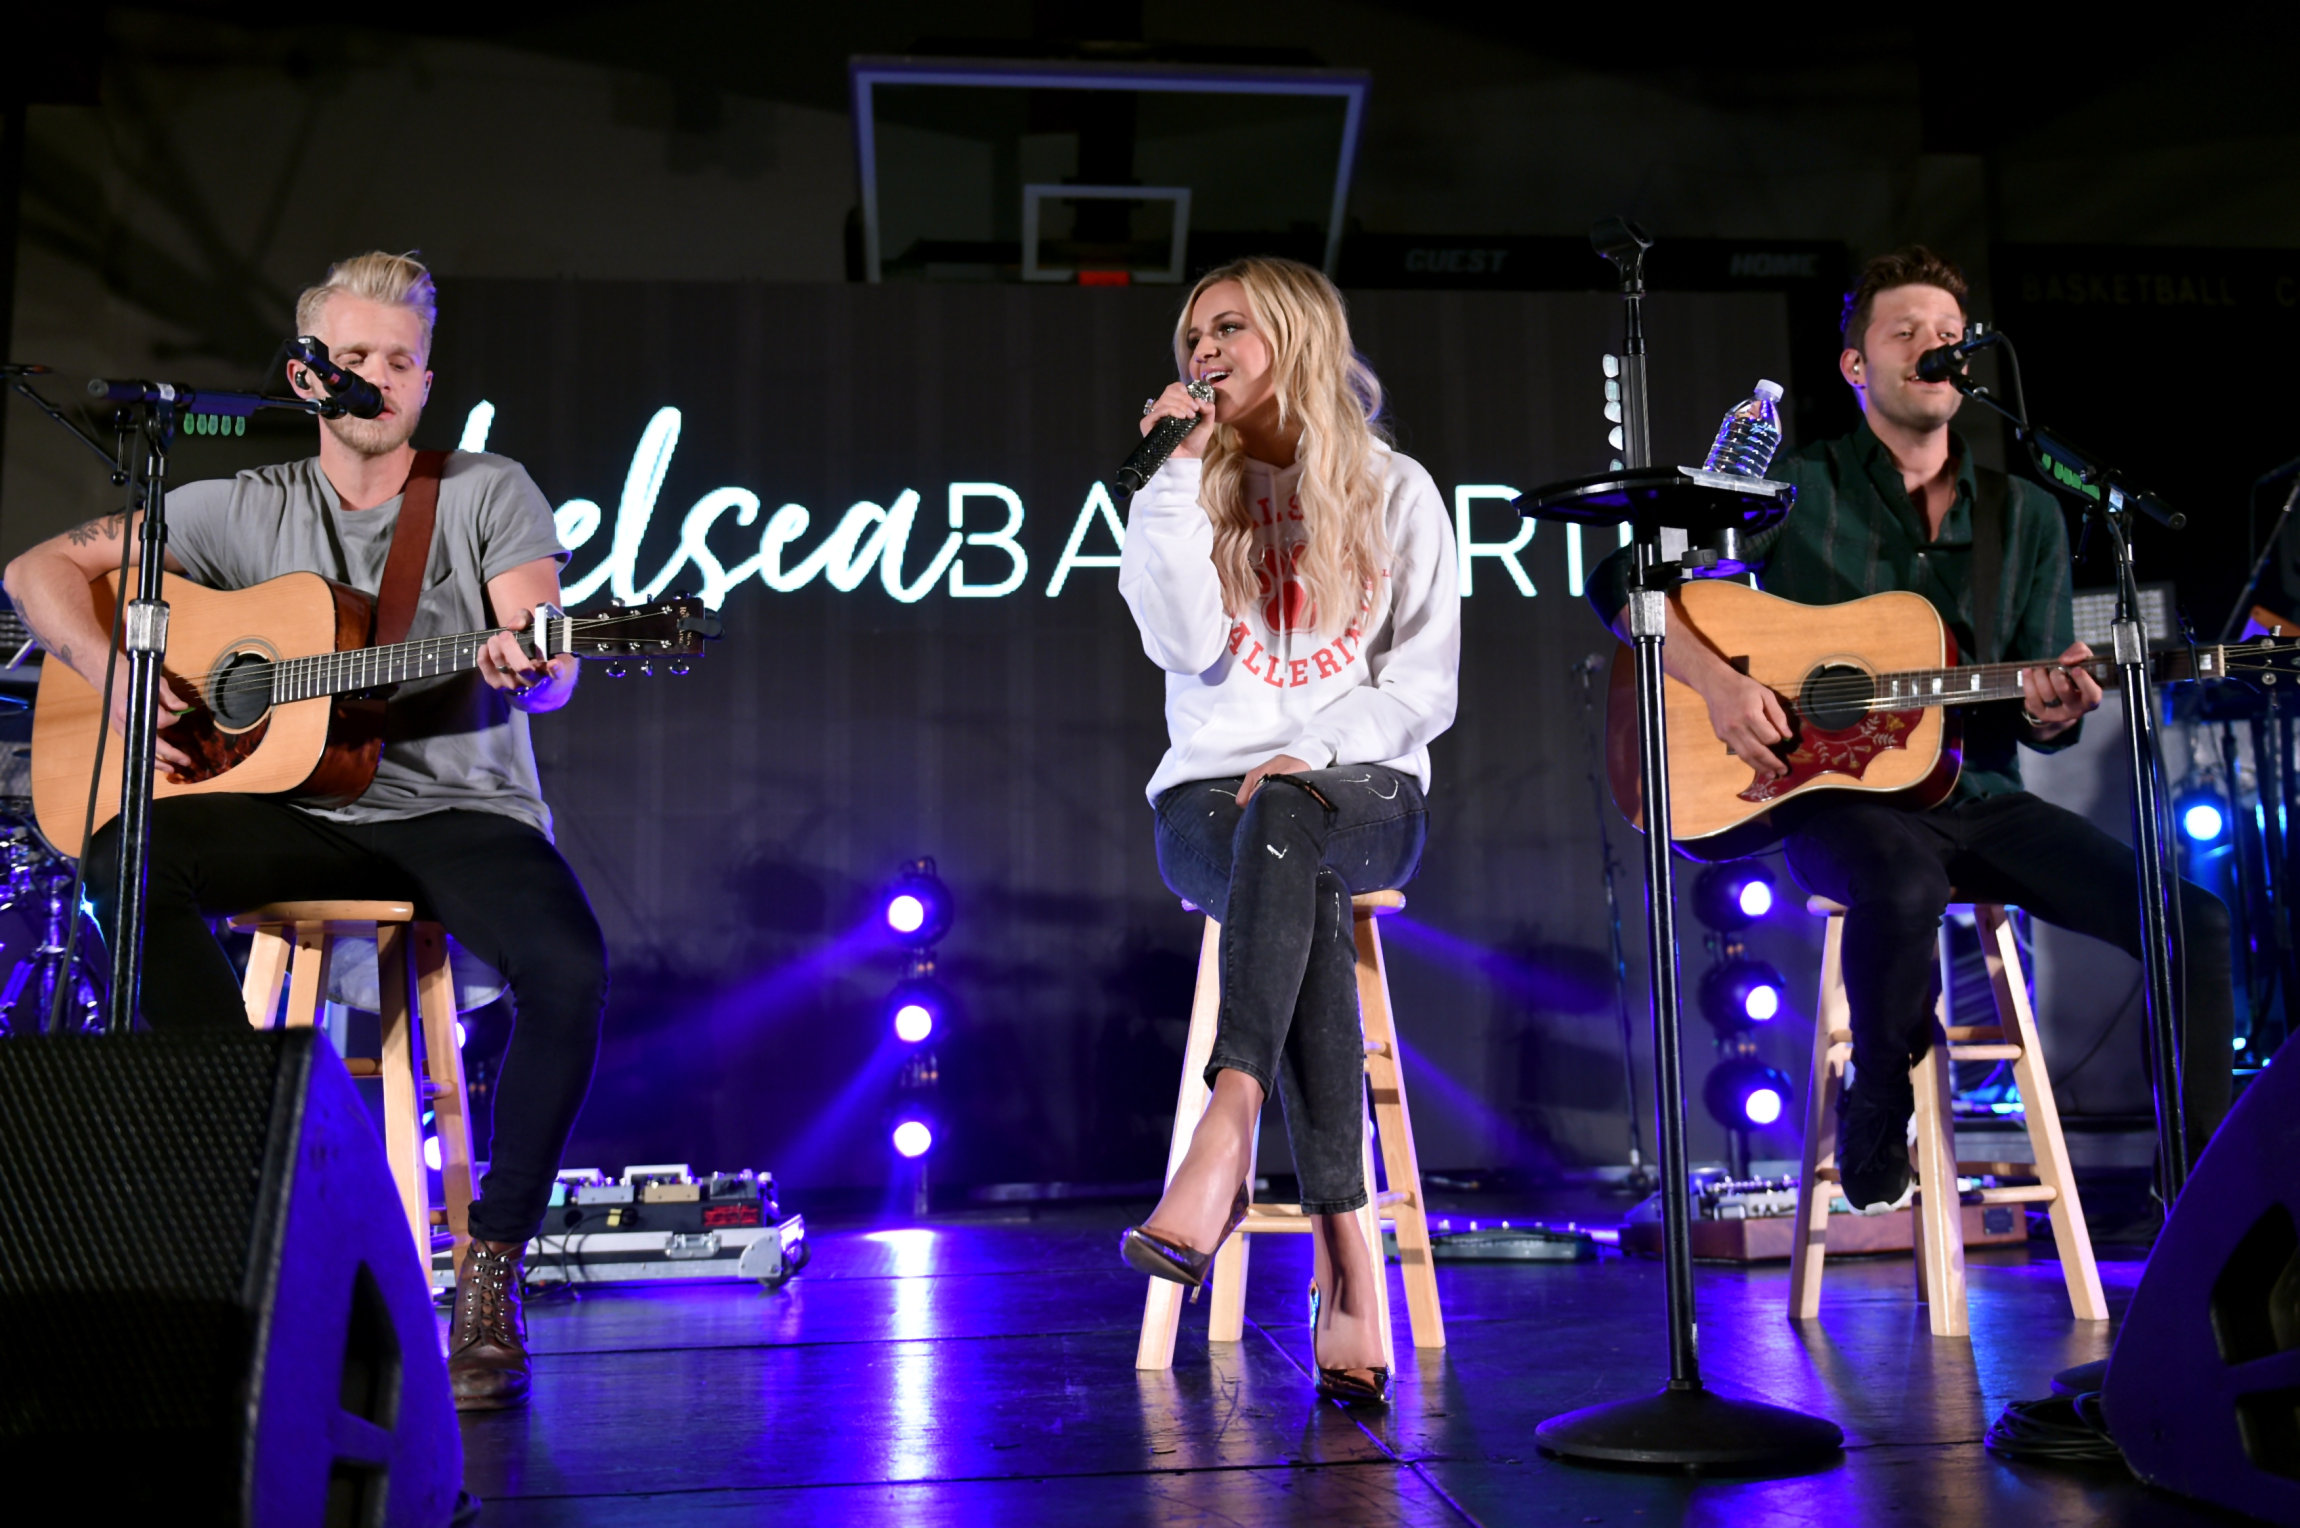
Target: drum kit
[{"x": 36, "y": 881}]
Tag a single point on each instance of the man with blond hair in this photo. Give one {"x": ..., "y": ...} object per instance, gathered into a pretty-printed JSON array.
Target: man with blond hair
[{"x": 454, "y": 820}]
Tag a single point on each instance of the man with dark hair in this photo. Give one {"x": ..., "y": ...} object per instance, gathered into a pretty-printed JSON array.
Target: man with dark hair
[{"x": 1899, "y": 504}]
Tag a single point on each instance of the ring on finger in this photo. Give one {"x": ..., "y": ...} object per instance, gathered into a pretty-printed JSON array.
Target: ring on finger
[{"x": 1147, "y": 405}]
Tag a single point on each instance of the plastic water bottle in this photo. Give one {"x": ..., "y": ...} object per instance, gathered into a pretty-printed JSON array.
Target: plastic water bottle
[{"x": 1750, "y": 434}]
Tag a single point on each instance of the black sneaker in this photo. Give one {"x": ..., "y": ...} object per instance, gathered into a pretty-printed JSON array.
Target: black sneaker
[{"x": 1873, "y": 1146}]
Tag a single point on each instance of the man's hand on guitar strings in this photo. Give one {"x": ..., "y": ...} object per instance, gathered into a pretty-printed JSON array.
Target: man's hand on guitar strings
[
  {"x": 2055, "y": 696},
  {"x": 171, "y": 709},
  {"x": 1748, "y": 719}
]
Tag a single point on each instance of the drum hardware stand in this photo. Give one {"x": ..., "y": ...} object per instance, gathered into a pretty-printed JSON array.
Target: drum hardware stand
[
  {"x": 2110, "y": 498},
  {"x": 1684, "y": 1425},
  {"x": 54, "y": 971},
  {"x": 147, "y": 417}
]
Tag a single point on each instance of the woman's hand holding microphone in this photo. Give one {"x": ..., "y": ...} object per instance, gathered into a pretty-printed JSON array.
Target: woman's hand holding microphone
[{"x": 1176, "y": 403}]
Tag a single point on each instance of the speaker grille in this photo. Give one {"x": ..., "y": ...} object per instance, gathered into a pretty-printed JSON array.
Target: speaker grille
[{"x": 131, "y": 1179}]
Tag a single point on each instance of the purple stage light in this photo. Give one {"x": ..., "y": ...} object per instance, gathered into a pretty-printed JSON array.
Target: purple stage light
[
  {"x": 1761, "y": 1001},
  {"x": 905, "y": 914},
  {"x": 1740, "y": 992},
  {"x": 1743, "y": 1093},
  {"x": 913, "y": 1022},
  {"x": 913, "y": 1139},
  {"x": 431, "y": 1152},
  {"x": 916, "y": 905},
  {"x": 1730, "y": 897}
]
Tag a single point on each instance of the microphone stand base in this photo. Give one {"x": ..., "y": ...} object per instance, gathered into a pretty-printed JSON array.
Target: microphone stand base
[{"x": 1690, "y": 1428}]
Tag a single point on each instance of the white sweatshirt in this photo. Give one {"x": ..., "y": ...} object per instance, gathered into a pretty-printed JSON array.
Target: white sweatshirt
[{"x": 1243, "y": 687}]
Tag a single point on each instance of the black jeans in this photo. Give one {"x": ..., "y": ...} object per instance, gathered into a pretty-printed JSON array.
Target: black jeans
[
  {"x": 1893, "y": 870},
  {"x": 1279, "y": 875},
  {"x": 497, "y": 885}
]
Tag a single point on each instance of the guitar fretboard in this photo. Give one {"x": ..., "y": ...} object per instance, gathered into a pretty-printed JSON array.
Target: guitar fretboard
[
  {"x": 2002, "y": 681},
  {"x": 367, "y": 668}
]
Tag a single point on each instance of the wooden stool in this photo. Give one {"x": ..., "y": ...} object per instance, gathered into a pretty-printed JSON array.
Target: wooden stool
[
  {"x": 1403, "y": 1205},
  {"x": 1939, "y": 1240},
  {"x": 294, "y": 941}
]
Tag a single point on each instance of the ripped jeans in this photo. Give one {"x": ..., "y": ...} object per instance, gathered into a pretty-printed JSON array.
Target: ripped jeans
[{"x": 1279, "y": 875}]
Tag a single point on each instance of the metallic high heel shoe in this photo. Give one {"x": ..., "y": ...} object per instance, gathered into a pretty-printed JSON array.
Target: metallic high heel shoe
[
  {"x": 1352, "y": 1387},
  {"x": 1162, "y": 1259}
]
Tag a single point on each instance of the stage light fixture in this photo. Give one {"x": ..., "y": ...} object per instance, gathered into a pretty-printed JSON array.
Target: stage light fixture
[
  {"x": 1740, "y": 992},
  {"x": 916, "y": 905},
  {"x": 914, "y": 1138},
  {"x": 1743, "y": 1093},
  {"x": 915, "y": 1007},
  {"x": 1730, "y": 897},
  {"x": 2203, "y": 816}
]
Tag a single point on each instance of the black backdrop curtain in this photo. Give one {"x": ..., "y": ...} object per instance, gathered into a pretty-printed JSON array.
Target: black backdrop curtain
[{"x": 733, "y": 826}]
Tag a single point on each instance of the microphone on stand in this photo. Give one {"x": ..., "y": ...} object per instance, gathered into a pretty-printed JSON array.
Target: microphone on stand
[
  {"x": 1940, "y": 364},
  {"x": 347, "y": 391},
  {"x": 1150, "y": 453}
]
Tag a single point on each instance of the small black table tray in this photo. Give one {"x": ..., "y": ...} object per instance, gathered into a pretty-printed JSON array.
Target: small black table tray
[{"x": 1685, "y": 498}]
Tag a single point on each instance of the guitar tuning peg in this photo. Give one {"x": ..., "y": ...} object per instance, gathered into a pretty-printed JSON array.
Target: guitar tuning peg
[
  {"x": 679, "y": 666},
  {"x": 615, "y": 669}
]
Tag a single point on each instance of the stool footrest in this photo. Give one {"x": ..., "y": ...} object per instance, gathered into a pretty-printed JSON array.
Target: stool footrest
[
  {"x": 2027, "y": 1193},
  {"x": 1978, "y": 1034},
  {"x": 1840, "y": 1037},
  {"x": 1376, "y": 1048},
  {"x": 1986, "y": 1052},
  {"x": 1390, "y": 1196}
]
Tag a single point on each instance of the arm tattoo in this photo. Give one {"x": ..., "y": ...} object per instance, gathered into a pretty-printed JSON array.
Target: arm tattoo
[{"x": 102, "y": 528}]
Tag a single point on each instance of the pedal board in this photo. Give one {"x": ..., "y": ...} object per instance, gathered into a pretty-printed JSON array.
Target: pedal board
[{"x": 658, "y": 1222}]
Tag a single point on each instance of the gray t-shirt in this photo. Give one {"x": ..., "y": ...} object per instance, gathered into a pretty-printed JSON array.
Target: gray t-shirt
[{"x": 449, "y": 741}]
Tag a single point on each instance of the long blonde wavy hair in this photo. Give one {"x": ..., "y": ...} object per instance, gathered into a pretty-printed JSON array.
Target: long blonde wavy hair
[{"x": 1324, "y": 383}]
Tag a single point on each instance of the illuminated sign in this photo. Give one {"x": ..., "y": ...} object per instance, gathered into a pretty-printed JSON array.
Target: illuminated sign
[{"x": 968, "y": 562}]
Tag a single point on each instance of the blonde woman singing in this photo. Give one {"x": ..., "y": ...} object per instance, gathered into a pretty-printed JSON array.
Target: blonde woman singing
[{"x": 1295, "y": 578}]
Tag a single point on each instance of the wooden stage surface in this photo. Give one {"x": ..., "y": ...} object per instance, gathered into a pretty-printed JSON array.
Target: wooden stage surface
[{"x": 978, "y": 1369}]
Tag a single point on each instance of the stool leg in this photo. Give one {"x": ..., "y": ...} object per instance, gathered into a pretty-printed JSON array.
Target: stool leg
[
  {"x": 1939, "y": 1233},
  {"x": 1226, "y": 1317},
  {"x": 307, "y": 976},
  {"x": 402, "y": 1100},
  {"x": 1809, "y": 1244},
  {"x": 1393, "y": 1124},
  {"x": 1369, "y": 1222},
  {"x": 2041, "y": 1115},
  {"x": 1162, "y": 1309},
  {"x": 443, "y": 1062},
  {"x": 267, "y": 970}
]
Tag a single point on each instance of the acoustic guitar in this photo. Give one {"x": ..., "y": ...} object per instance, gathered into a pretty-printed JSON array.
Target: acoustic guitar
[
  {"x": 1870, "y": 688},
  {"x": 286, "y": 697}
]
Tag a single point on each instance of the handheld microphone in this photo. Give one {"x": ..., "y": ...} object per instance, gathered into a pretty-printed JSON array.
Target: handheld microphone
[
  {"x": 1150, "y": 453},
  {"x": 1946, "y": 361},
  {"x": 347, "y": 391}
]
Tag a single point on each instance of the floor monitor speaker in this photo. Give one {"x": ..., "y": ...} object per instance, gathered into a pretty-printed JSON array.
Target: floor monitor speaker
[
  {"x": 208, "y": 1304},
  {"x": 2203, "y": 1387}
]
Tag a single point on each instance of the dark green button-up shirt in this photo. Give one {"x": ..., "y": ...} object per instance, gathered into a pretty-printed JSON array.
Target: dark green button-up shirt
[{"x": 1854, "y": 532}]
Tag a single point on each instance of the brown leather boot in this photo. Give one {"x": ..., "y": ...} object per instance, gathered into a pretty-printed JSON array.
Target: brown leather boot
[{"x": 487, "y": 1363}]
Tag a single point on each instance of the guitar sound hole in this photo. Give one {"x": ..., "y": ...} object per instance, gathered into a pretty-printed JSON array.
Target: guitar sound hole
[
  {"x": 240, "y": 690},
  {"x": 1836, "y": 696}
]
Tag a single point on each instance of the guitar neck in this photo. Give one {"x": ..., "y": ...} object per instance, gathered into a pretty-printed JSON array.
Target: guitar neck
[
  {"x": 1982, "y": 682},
  {"x": 368, "y": 668}
]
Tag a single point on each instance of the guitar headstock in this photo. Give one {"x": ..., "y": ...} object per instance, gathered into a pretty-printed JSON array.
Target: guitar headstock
[
  {"x": 2264, "y": 662},
  {"x": 672, "y": 630}
]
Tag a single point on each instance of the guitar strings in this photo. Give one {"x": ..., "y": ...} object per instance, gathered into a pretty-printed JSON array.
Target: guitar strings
[
  {"x": 1997, "y": 680},
  {"x": 273, "y": 674}
]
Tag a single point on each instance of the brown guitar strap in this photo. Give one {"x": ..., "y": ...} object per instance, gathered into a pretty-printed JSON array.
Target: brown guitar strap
[
  {"x": 1988, "y": 559},
  {"x": 410, "y": 553}
]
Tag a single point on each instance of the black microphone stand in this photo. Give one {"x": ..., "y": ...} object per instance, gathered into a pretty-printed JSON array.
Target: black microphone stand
[
  {"x": 1640, "y": 1179},
  {"x": 2111, "y": 497},
  {"x": 149, "y": 414},
  {"x": 1683, "y": 1425}
]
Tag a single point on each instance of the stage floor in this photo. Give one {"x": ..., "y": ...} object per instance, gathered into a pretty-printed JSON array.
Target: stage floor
[{"x": 979, "y": 1369}]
